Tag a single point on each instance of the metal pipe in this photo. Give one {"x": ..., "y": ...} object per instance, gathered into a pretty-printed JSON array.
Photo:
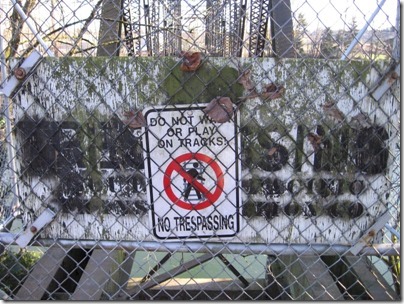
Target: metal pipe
[
  {"x": 396, "y": 42},
  {"x": 392, "y": 230},
  {"x": 32, "y": 27},
  {"x": 220, "y": 248},
  {"x": 7, "y": 238},
  {"x": 362, "y": 31},
  {"x": 6, "y": 109},
  {"x": 233, "y": 270}
]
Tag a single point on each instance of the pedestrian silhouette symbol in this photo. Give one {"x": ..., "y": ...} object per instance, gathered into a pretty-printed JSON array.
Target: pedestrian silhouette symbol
[{"x": 196, "y": 174}]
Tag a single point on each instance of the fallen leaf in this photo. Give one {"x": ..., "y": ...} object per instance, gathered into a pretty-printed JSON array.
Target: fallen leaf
[
  {"x": 134, "y": 119},
  {"x": 220, "y": 109},
  {"x": 190, "y": 61}
]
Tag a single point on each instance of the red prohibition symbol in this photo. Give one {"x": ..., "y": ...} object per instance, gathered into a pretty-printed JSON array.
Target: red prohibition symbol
[{"x": 210, "y": 195}]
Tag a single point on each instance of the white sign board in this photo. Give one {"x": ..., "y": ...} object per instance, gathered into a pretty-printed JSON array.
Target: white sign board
[{"x": 193, "y": 171}]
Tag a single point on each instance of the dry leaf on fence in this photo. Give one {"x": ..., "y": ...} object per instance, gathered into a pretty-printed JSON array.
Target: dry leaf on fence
[
  {"x": 190, "y": 61},
  {"x": 220, "y": 109},
  {"x": 245, "y": 81},
  {"x": 134, "y": 119},
  {"x": 360, "y": 121},
  {"x": 273, "y": 91},
  {"x": 315, "y": 140},
  {"x": 331, "y": 110}
]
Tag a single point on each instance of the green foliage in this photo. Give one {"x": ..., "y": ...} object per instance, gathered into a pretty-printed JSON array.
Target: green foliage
[
  {"x": 2, "y": 123},
  {"x": 395, "y": 265},
  {"x": 299, "y": 33},
  {"x": 328, "y": 44},
  {"x": 208, "y": 82},
  {"x": 14, "y": 267}
]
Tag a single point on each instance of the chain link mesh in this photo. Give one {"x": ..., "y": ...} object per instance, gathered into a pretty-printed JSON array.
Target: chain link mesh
[{"x": 189, "y": 149}]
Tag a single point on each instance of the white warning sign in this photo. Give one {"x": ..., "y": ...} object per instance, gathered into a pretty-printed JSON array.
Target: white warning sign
[{"x": 193, "y": 170}]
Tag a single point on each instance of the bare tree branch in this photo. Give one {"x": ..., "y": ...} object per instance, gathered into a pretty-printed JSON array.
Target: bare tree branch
[
  {"x": 48, "y": 35},
  {"x": 85, "y": 26},
  {"x": 17, "y": 24}
]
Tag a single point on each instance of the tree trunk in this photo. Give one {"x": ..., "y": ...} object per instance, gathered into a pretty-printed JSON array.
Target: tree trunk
[
  {"x": 109, "y": 38},
  {"x": 282, "y": 29}
]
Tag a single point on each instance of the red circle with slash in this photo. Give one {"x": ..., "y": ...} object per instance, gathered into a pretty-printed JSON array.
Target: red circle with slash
[{"x": 175, "y": 167}]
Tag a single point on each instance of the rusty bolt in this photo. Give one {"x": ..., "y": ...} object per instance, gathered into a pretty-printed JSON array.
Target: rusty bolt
[
  {"x": 20, "y": 73},
  {"x": 33, "y": 229},
  {"x": 394, "y": 75}
]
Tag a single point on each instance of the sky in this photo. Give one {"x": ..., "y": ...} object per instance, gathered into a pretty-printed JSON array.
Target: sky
[
  {"x": 336, "y": 14},
  {"x": 318, "y": 13},
  {"x": 331, "y": 13},
  {"x": 328, "y": 12}
]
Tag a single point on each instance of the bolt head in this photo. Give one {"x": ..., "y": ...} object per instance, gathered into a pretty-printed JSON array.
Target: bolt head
[{"x": 20, "y": 73}]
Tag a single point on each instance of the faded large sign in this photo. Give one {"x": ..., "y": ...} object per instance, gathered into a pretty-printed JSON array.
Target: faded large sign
[{"x": 310, "y": 165}]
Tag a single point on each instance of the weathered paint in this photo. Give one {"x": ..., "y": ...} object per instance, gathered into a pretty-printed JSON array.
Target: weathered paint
[{"x": 69, "y": 115}]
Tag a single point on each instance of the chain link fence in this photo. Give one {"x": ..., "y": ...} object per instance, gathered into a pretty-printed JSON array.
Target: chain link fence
[{"x": 200, "y": 149}]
